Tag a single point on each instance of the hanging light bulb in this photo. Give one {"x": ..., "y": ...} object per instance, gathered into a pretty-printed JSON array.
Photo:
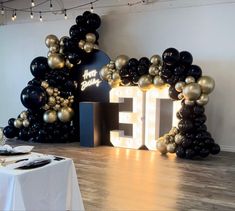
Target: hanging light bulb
[
  {"x": 31, "y": 13},
  {"x": 65, "y": 15},
  {"x": 15, "y": 15},
  {"x": 92, "y": 8},
  {"x": 2, "y": 10},
  {"x": 51, "y": 6},
  {"x": 32, "y": 3},
  {"x": 40, "y": 18}
]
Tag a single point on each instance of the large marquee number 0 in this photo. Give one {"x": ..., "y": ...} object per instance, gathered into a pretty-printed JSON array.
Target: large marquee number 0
[{"x": 145, "y": 116}]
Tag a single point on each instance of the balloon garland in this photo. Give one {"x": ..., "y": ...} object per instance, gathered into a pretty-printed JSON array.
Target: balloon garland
[
  {"x": 185, "y": 82},
  {"x": 49, "y": 97}
]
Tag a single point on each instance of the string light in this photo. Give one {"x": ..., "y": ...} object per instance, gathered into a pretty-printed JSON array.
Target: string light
[
  {"x": 65, "y": 15},
  {"x": 32, "y": 3},
  {"x": 40, "y": 18},
  {"x": 51, "y": 6},
  {"x": 2, "y": 11},
  {"x": 15, "y": 15},
  {"x": 92, "y": 8},
  {"x": 31, "y": 13}
]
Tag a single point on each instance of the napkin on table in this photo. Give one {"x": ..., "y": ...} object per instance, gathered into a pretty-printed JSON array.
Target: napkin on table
[{"x": 19, "y": 149}]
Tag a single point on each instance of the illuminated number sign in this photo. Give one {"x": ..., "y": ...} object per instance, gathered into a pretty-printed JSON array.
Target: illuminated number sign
[{"x": 145, "y": 116}]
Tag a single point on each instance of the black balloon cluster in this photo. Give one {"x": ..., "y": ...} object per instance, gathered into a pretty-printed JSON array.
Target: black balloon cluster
[{"x": 49, "y": 96}]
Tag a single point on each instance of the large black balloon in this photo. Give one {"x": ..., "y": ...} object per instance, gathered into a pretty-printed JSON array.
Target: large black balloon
[
  {"x": 77, "y": 32},
  {"x": 185, "y": 125},
  {"x": 133, "y": 62},
  {"x": 39, "y": 67},
  {"x": 11, "y": 122},
  {"x": 186, "y": 58},
  {"x": 33, "y": 97},
  {"x": 194, "y": 71},
  {"x": 144, "y": 61},
  {"x": 80, "y": 20},
  {"x": 10, "y": 132},
  {"x": 185, "y": 111},
  {"x": 75, "y": 57},
  {"x": 142, "y": 69},
  {"x": 171, "y": 56},
  {"x": 215, "y": 149},
  {"x": 93, "y": 21},
  {"x": 204, "y": 152}
]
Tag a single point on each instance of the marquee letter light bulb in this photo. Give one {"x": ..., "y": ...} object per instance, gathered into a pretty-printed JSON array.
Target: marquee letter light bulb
[{"x": 136, "y": 117}]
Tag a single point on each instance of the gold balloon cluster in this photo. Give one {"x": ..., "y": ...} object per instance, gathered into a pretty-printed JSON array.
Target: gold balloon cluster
[
  {"x": 57, "y": 107},
  {"x": 89, "y": 44},
  {"x": 22, "y": 121},
  {"x": 167, "y": 143},
  {"x": 195, "y": 91}
]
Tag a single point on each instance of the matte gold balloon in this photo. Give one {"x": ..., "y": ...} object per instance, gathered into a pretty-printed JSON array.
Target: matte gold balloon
[
  {"x": 207, "y": 84},
  {"x": 62, "y": 40},
  {"x": 26, "y": 123},
  {"x": 203, "y": 100},
  {"x": 189, "y": 102},
  {"x": 90, "y": 37},
  {"x": 50, "y": 116},
  {"x": 157, "y": 81},
  {"x": 50, "y": 91},
  {"x": 54, "y": 48},
  {"x": 18, "y": 123},
  {"x": 156, "y": 60},
  {"x": 161, "y": 147},
  {"x": 179, "y": 86},
  {"x": 51, "y": 101},
  {"x": 81, "y": 44},
  {"x": 68, "y": 64},
  {"x": 88, "y": 47},
  {"x": 23, "y": 115},
  {"x": 121, "y": 61},
  {"x": 44, "y": 84},
  {"x": 192, "y": 91},
  {"x": 171, "y": 148},
  {"x": 145, "y": 82},
  {"x": 105, "y": 73},
  {"x": 189, "y": 80},
  {"x": 153, "y": 70},
  {"x": 51, "y": 40},
  {"x": 56, "y": 61},
  {"x": 178, "y": 138},
  {"x": 65, "y": 114}
]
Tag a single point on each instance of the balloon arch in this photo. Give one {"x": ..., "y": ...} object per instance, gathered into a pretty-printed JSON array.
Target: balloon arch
[{"x": 49, "y": 97}]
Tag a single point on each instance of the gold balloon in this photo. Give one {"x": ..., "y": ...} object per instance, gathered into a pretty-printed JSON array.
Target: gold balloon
[
  {"x": 23, "y": 115},
  {"x": 88, "y": 47},
  {"x": 207, "y": 84},
  {"x": 50, "y": 91},
  {"x": 96, "y": 47},
  {"x": 62, "y": 40},
  {"x": 173, "y": 131},
  {"x": 44, "y": 84},
  {"x": 161, "y": 147},
  {"x": 171, "y": 148},
  {"x": 156, "y": 60},
  {"x": 51, "y": 40},
  {"x": 90, "y": 37},
  {"x": 56, "y": 61},
  {"x": 50, "y": 116},
  {"x": 189, "y": 102},
  {"x": 49, "y": 54},
  {"x": 18, "y": 123},
  {"x": 153, "y": 70},
  {"x": 26, "y": 123},
  {"x": 192, "y": 91},
  {"x": 46, "y": 107},
  {"x": 203, "y": 100},
  {"x": 180, "y": 96},
  {"x": 65, "y": 114},
  {"x": 54, "y": 48},
  {"x": 189, "y": 80},
  {"x": 179, "y": 86},
  {"x": 121, "y": 61},
  {"x": 116, "y": 76},
  {"x": 81, "y": 44},
  {"x": 68, "y": 64},
  {"x": 145, "y": 82},
  {"x": 178, "y": 138},
  {"x": 51, "y": 101},
  {"x": 105, "y": 73},
  {"x": 111, "y": 65},
  {"x": 157, "y": 81},
  {"x": 57, "y": 107},
  {"x": 61, "y": 51},
  {"x": 113, "y": 83}
]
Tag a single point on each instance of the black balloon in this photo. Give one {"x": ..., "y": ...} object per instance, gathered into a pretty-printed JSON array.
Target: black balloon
[
  {"x": 199, "y": 120},
  {"x": 185, "y": 111},
  {"x": 194, "y": 71},
  {"x": 77, "y": 32},
  {"x": 190, "y": 153},
  {"x": 166, "y": 72},
  {"x": 185, "y": 125},
  {"x": 171, "y": 56},
  {"x": 33, "y": 97},
  {"x": 24, "y": 135},
  {"x": 93, "y": 21},
  {"x": 204, "y": 152},
  {"x": 186, "y": 143},
  {"x": 133, "y": 62},
  {"x": 75, "y": 56},
  {"x": 180, "y": 152},
  {"x": 180, "y": 70},
  {"x": 80, "y": 20},
  {"x": 142, "y": 69},
  {"x": 10, "y": 132},
  {"x": 11, "y": 122},
  {"x": 86, "y": 14},
  {"x": 39, "y": 67},
  {"x": 186, "y": 58},
  {"x": 215, "y": 149},
  {"x": 198, "y": 110},
  {"x": 173, "y": 93},
  {"x": 144, "y": 61}
]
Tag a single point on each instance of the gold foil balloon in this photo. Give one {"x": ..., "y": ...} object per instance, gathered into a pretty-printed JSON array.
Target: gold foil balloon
[
  {"x": 50, "y": 116},
  {"x": 90, "y": 37},
  {"x": 44, "y": 84},
  {"x": 192, "y": 91},
  {"x": 179, "y": 86},
  {"x": 26, "y": 123},
  {"x": 65, "y": 114},
  {"x": 157, "y": 81},
  {"x": 54, "y": 48},
  {"x": 18, "y": 123},
  {"x": 156, "y": 60},
  {"x": 23, "y": 115},
  {"x": 121, "y": 61},
  {"x": 207, "y": 84},
  {"x": 50, "y": 91},
  {"x": 88, "y": 47},
  {"x": 105, "y": 73},
  {"x": 145, "y": 82},
  {"x": 203, "y": 100},
  {"x": 51, "y": 40},
  {"x": 56, "y": 61},
  {"x": 68, "y": 64},
  {"x": 81, "y": 44},
  {"x": 62, "y": 40},
  {"x": 153, "y": 70},
  {"x": 189, "y": 80},
  {"x": 171, "y": 148},
  {"x": 51, "y": 101}
]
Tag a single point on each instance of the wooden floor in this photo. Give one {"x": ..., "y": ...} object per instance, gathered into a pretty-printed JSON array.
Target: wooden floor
[{"x": 123, "y": 179}]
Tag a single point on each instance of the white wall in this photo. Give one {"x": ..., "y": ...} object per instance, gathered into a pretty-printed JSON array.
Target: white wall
[{"x": 206, "y": 31}]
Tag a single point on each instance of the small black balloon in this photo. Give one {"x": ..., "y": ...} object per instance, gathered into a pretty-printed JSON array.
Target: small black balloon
[
  {"x": 185, "y": 111},
  {"x": 204, "y": 152},
  {"x": 24, "y": 135},
  {"x": 133, "y": 62},
  {"x": 194, "y": 71},
  {"x": 199, "y": 120},
  {"x": 189, "y": 153},
  {"x": 86, "y": 14},
  {"x": 124, "y": 72},
  {"x": 75, "y": 57},
  {"x": 166, "y": 73},
  {"x": 142, "y": 69},
  {"x": 186, "y": 143},
  {"x": 11, "y": 122},
  {"x": 77, "y": 32},
  {"x": 144, "y": 61},
  {"x": 171, "y": 56},
  {"x": 185, "y": 125},
  {"x": 197, "y": 109},
  {"x": 186, "y": 58},
  {"x": 39, "y": 67},
  {"x": 180, "y": 70},
  {"x": 180, "y": 152},
  {"x": 215, "y": 149},
  {"x": 173, "y": 93},
  {"x": 10, "y": 132},
  {"x": 202, "y": 127}
]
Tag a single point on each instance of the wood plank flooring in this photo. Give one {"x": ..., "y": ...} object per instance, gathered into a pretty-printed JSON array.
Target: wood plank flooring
[{"x": 123, "y": 179}]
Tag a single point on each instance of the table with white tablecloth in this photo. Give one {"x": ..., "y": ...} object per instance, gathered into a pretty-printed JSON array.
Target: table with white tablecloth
[{"x": 51, "y": 187}]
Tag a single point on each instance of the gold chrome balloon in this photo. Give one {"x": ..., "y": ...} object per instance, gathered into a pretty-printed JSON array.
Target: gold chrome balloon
[
  {"x": 180, "y": 96},
  {"x": 49, "y": 54},
  {"x": 189, "y": 102},
  {"x": 145, "y": 82},
  {"x": 88, "y": 47},
  {"x": 50, "y": 91},
  {"x": 179, "y": 86},
  {"x": 68, "y": 64},
  {"x": 113, "y": 83},
  {"x": 161, "y": 147},
  {"x": 116, "y": 76},
  {"x": 121, "y": 61},
  {"x": 65, "y": 114},
  {"x": 54, "y": 48},
  {"x": 171, "y": 148},
  {"x": 189, "y": 80},
  {"x": 90, "y": 37},
  {"x": 173, "y": 131},
  {"x": 51, "y": 101},
  {"x": 156, "y": 60},
  {"x": 192, "y": 91},
  {"x": 56, "y": 61},
  {"x": 178, "y": 138},
  {"x": 50, "y": 116},
  {"x": 62, "y": 40},
  {"x": 44, "y": 84},
  {"x": 23, "y": 115},
  {"x": 153, "y": 70},
  {"x": 105, "y": 73},
  {"x": 203, "y": 100},
  {"x": 46, "y": 107},
  {"x": 157, "y": 81},
  {"x": 207, "y": 84},
  {"x": 61, "y": 51},
  {"x": 81, "y": 44},
  {"x": 26, "y": 123},
  {"x": 18, "y": 123},
  {"x": 51, "y": 40}
]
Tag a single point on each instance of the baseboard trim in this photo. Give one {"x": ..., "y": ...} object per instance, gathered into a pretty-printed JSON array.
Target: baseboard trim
[{"x": 226, "y": 148}]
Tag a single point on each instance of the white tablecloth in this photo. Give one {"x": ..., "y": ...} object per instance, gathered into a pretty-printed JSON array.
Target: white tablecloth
[{"x": 51, "y": 187}]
